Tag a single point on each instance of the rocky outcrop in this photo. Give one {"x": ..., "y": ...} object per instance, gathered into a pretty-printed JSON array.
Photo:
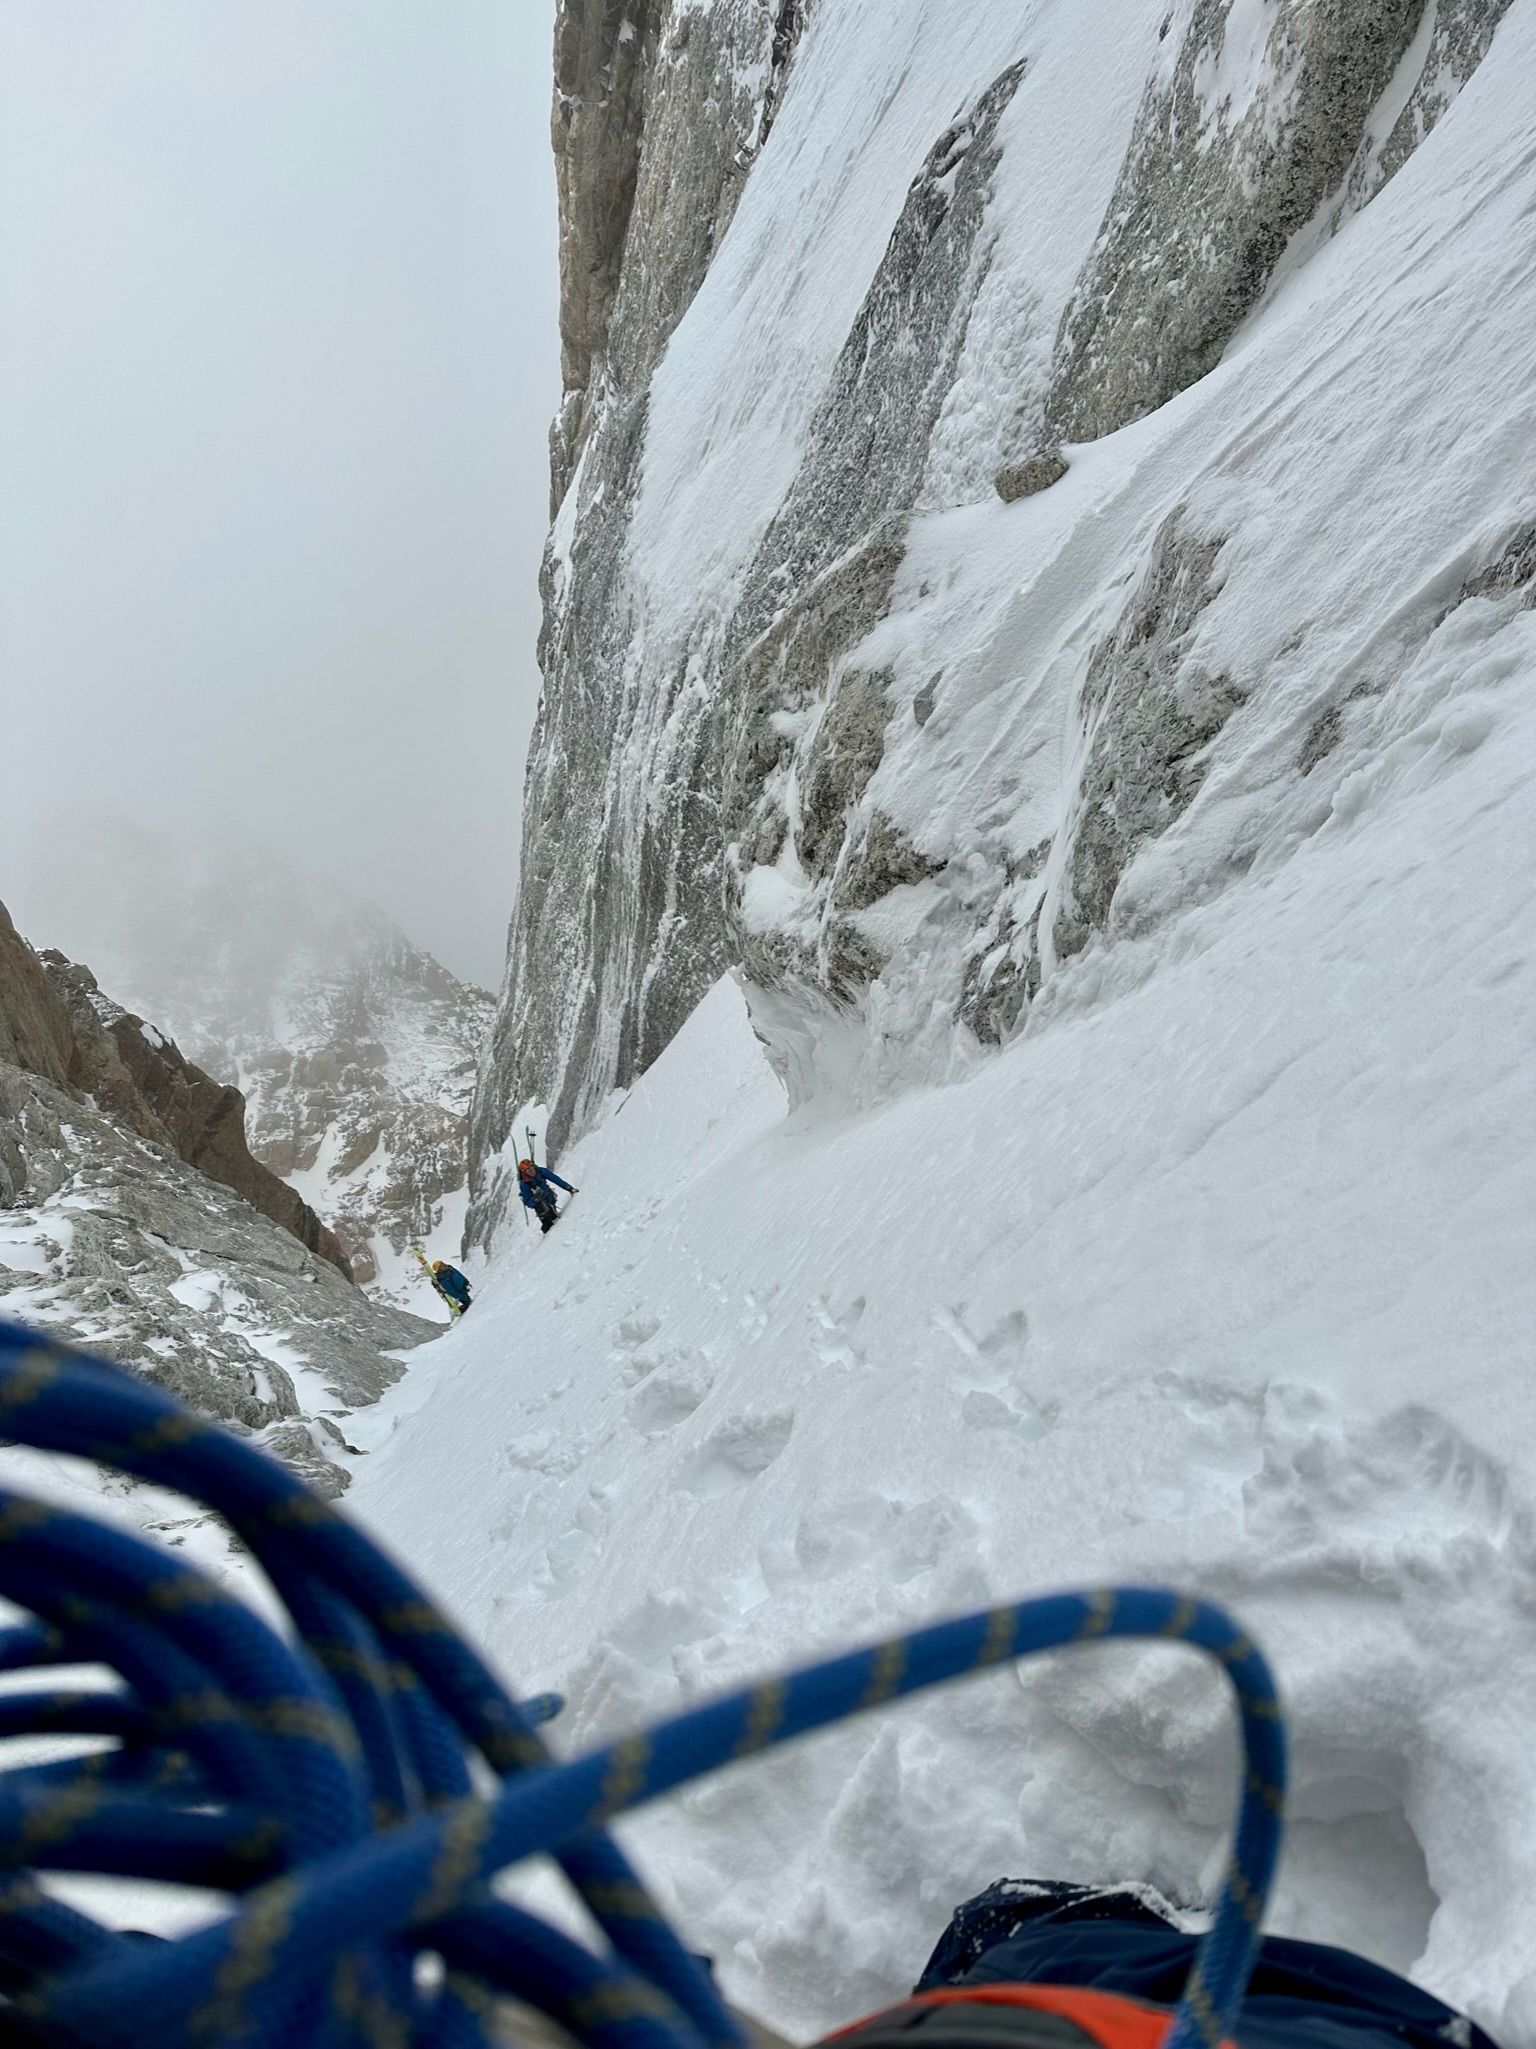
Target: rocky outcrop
[
  {"x": 365, "y": 1095},
  {"x": 55, "y": 1023},
  {"x": 144, "y": 1082},
  {"x": 108, "y": 1239},
  {"x": 35, "y": 1030},
  {"x": 717, "y": 775},
  {"x": 1152, "y": 714},
  {"x": 353, "y": 1050},
  {"x": 133, "y": 1218}
]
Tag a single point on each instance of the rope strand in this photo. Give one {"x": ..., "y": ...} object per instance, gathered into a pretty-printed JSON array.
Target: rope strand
[{"x": 324, "y": 1782}]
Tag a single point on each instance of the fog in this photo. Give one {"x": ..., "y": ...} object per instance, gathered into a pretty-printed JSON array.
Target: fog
[{"x": 278, "y": 354}]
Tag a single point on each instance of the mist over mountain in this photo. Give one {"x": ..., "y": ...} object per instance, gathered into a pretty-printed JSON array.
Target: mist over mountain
[
  {"x": 134, "y": 1217},
  {"x": 355, "y": 1049}
]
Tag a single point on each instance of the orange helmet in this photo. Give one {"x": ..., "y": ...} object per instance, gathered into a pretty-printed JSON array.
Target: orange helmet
[{"x": 526, "y": 1169}]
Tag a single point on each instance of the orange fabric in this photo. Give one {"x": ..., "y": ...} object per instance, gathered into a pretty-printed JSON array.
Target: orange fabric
[{"x": 1113, "y": 2022}]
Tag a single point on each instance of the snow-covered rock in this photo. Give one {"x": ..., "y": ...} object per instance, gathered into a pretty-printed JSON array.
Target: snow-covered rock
[
  {"x": 996, "y": 505},
  {"x": 355, "y": 1050},
  {"x": 129, "y": 1220}
]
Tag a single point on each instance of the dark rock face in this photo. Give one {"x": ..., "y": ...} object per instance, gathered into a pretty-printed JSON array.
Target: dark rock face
[
  {"x": 604, "y": 881},
  {"x": 1218, "y": 193},
  {"x": 658, "y": 113},
  {"x": 35, "y": 1031},
  {"x": 603, "y": 57},
  {"x": 1459, "y": 33},
  {"x": 143, "y": 1082},
  {"x": 1512, "y": 569},
  {"x": 643, "y": 159},
  {"x": 1152, "y": 715},
  {"x": 869, "y": 442},
  {"x": 788, "y": 27},
  {"x": 139, "y": 1222}
]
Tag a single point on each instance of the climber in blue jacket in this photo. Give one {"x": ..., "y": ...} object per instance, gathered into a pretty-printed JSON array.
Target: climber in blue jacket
[{"x": 536, "y": 1186}]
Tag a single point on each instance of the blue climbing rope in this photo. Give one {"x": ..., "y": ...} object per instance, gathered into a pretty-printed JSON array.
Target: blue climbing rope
[{"x": 332, "y": 1781}]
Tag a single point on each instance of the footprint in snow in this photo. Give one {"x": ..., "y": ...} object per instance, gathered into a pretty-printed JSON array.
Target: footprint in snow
[
  {"x": 735, "y": 1453},
  {"x": 1012, "y": 1410},
  {"x": 836, "y": 1346},
  {"x": 667, "y": 1399},
  {"x": 546, "y": 1452},
  {"x": 574, "y": 1551},
  {"x": 756, "y": 1311},
  {"x": 633, "y": 1331},
  {"x": 1003, "y": 1344}
]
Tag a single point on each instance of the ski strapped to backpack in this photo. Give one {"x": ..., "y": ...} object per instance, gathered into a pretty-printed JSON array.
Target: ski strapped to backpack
[
  {"x": 456, "y": 1308},
  {"x": 332, "y": 1781}
]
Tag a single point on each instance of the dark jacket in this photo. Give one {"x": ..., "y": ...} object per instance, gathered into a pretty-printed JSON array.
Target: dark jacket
[
  {"x": 1302, "y": 1995},
  {"x": 536, "y": 1193},
  {"x": 450, "y": 1282}
]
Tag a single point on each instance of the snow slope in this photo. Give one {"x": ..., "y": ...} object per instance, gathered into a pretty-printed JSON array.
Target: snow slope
[
  {"x": 1131, "y": 1173},
  {"x": 1223, "y": 1278}
]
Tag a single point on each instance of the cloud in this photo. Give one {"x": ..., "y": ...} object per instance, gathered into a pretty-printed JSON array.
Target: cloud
[{"x": 277, "y": 355}]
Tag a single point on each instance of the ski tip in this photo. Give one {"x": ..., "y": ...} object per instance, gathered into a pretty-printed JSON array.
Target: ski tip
[{"x": 543, "y": 1707}]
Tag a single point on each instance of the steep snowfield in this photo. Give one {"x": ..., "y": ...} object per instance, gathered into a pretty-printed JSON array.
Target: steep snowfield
[
  {"x": 1219, "y": 1268},
  {"x": 1225, "y": 1278}
]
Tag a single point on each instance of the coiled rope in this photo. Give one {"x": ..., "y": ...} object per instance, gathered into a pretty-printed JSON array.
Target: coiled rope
[{"x": 356, "y": 1785}]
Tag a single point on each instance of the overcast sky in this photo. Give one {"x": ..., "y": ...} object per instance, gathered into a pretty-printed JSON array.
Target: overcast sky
[{"x": 277, "y": 359}]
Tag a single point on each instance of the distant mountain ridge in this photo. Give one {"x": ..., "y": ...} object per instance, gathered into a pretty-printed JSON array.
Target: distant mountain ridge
[
  {"x": 355, "y": 1049},
  {"x": 56, "y": 1023},
  {"x": 134, "y": 1217}
]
